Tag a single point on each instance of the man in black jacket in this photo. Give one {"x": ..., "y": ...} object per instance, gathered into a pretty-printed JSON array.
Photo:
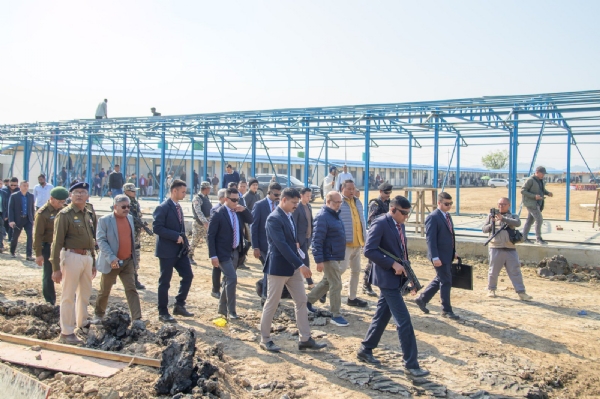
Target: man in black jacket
[
  {"x": 115, "y": 182},
  {"x": 304, "y": 222},
  {"x": 7, "y": 190},
  {"x": 20, "y": 216}
]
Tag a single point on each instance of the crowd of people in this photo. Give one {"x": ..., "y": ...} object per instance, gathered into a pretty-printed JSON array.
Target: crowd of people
[{"x": 72, "y": 244}]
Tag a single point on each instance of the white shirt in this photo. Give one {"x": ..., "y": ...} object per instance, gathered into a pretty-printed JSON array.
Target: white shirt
[
  {"x": 342, "y": 177},
  {"x": 101, "y": 110},
  {"x": 327, "y": 184},
  {"x": 41, "y": 195},
  {"x": 276, "y": 202}
]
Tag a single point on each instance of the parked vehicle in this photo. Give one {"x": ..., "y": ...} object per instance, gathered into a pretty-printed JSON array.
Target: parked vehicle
[
  {"x": 493, "y": 183},
  {"x": 265, "y": 179}
]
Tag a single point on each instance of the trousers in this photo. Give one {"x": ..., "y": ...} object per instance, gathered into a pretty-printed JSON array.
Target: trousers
[
  {"x": 28, "y": 227},
  {"x": 441, "y": 282},
  {"x": 352, "y": 260},
  {"x": 332, "y": 283},
  {"x": 184, "y": 269},
  {"x": 127, "y": 275},
  {"x": 76, "y": 290},
  {"x": 47, "y": 284},
  {"x": 227, "y": 301},
  {"x": 509, "y": 258},
  {"x": 535, "y": 214}
]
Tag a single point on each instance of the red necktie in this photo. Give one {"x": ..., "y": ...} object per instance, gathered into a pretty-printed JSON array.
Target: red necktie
[
  {"x": 179, "y": 214},
  {"x": 449, "y": 222},
  {"x": 235, "y": 230},
  {"x": 402, "y": 240},
  {"x": 273, "y": 206}
]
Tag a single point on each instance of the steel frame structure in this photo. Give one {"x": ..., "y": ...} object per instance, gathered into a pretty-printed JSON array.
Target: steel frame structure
[{"x": 516, "y": 118}]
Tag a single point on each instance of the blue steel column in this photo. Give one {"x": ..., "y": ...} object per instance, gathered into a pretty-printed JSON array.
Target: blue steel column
[
  {"x": 410, "y": 171},
  {"x": 26, "y": 153},
  {"x": 253, "y": 155},
  {"x": 137, "y": 163},
  {"x": 457, "y": 177},
  {"x": 436, "y": 152},
  {"x": 289, "y": 166},
  {"x": 568, "y": 180},
  {"x": 326, "y": 157},
  {"x": 68, "y": 183},
  {"x": 512, "y": 195},
  {"x": 205, "y": 155},
  {"x": 89, "y": 173},
  {"x": 306, "y": 153},
  {"x": 56, "y": 159},
  {"x": 124, "y": 166},
  {"x": 367, "y": 166},
  {"x": 161, "y": 183},
  {"x": 192, "y": 171},
  {"x": 222, "y": 158}
]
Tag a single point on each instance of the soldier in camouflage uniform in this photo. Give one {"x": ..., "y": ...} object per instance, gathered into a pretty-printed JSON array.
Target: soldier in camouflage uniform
[
  {"x": 135, "y": 211},
  {"x": 201, "y": 207}
]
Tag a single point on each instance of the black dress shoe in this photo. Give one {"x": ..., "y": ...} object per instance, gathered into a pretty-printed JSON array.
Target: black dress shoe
[
  {"x": 311, "y": 344},
  {"x": 215, "y": 294},
  {"x": 450, "y": 315},
  {"x": 13, "y": 255},
  {"x": 270, "y": 346},
  {"x": 527, "y": 241},
  {"x": 244, "y": 267},
  {"x": 422, "y": 305},
  {"x": 366, "y": 357},
  {"x": 166, "y": 318},
  {"x": 323, "y": 298},
  {"x": 30, "y": 258},
  {"x": 233, "y": 316},
  {"x": 416, "y": 372},
  {"x": 138, "y": 285},
  {"x": 359, "y": 303},
  {"x": 367, "y": 289},
  {"x": 193, "y": 262},
  {"x": 180, "y": 310}
]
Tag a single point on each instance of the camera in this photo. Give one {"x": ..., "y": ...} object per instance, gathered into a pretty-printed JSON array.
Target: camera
[{"x": 494, "y": 212}]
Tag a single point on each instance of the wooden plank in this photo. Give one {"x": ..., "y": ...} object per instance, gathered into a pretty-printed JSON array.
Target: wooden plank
[
  {"x": 77, "y": 350},
  {"x": 59, "y": 361},
  {"x": 16, "y": 385}
]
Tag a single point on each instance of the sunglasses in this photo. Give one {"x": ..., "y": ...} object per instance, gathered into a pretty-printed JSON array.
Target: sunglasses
[
  {"x": 125, "y": 206},
  {"x": 448, "y": 203},
  {"x": 276, "y": 194},
  {"x": 405, "y": 213},
  {"x": 387, "y": 192},
  {"x": 233, "y": 199}
]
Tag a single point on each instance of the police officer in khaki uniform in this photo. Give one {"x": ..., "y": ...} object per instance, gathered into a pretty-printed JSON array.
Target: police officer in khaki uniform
[
  {"x": 42, "y": 238},
  {"x": 72, "y": 257}
]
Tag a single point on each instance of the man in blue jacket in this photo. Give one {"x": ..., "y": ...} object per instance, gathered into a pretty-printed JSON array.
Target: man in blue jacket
[
  {"x": 169, "y": 228},
  {"x": 20, "y": 217},
  {"x": 441, "y": 250},
  {"x": 388, "y": 233},
  {"x": 329, "y": 249},
  {"x": 284, "y": 267}
]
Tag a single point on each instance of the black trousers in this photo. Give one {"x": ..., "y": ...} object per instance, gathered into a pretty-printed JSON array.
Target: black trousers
[
  {"x": 28, "y": 227},
  {"x": 184, "y": 269},
  {"x": 216, "y": 279},
  {"x": 47, "y": 283},
  {"x": 442, "y": 282},
  {"x": 8, "y": 230}
]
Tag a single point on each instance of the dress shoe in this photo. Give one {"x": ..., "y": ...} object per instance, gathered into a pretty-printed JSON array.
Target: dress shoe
[
  {"x": 13, "y": 255},
  {"x": 359, "y": 303},
  {"x": 367, "y": 357},
  {"x": 243, "y": 267},
  {"x": 70, "y": 339},
  {"x": 311, "y": 344},
  {"x": 422, "y": 305},
  {"x": 270, "y": 346},
  {"x": 450, "y": 315},
  {"x": 323, "y": 298},
  {"x": 310, "y": 307},
  {"x": 193, "y": 262},
  {"x": 166, "y": 318},
  {"x": 180, "y": 310},
  {"x": 233, "y": 316},
  {"x": 416, "y": 372},
  {"x": 215, "y": 294},
  {"x": 524, "y": 297},
  {"x": 539, "y": 241},
  {"x": 138, "y": 285},
  {"x": 30, "y": 258},
  {"x": 491, "y": 293},
  {"x": 527, "y": 241},
  {"x": 367, "y": 289}
]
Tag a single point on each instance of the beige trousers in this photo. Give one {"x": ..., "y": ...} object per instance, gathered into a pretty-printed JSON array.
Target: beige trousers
[
  {"x": 352, "y": 259},
  {"x": 295, "y": 285},
  {"x": 76, "y": 290}
]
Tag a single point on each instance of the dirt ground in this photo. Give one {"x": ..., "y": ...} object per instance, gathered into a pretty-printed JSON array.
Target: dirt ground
[{"x": 501, "y": 345}]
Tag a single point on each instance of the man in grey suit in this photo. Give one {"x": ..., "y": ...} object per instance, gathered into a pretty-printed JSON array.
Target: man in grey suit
[{"x": 116, "y": 240}]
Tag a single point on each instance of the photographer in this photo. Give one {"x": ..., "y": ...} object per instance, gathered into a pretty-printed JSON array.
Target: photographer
[{"x": 502, "y": 224}]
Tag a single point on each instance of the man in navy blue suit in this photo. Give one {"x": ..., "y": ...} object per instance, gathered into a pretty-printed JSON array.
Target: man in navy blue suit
[
  {"x": 20, "y": 217},
  {"x": 225, "y": 242},
  {"x": 441, "y": 250},
  {"x": 262, "y": 209},
  {"x": 387, "y": 232},
  {"x": 169, "y": 228},
  {"x": 284, "y": 267}
]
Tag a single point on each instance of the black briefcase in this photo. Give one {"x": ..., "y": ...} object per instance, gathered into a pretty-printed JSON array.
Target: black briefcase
[{"x": 462, "y": 276}]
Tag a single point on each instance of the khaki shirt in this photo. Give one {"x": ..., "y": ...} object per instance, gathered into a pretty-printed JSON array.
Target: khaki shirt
[
  {"x": 43, "y": 227},
  {"x": 73, "y": 229}
]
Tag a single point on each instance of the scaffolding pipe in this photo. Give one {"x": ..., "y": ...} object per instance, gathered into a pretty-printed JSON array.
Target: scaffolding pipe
[
  {"x": 306, "y": 154},
  {"x": 89, "y": 175},
  {"x": 367, "y": 165},
  {"x": 457, "y": 177},
  {"x": 436, "y": 151},
  {"x": 161, "y": 183},
  {"x": 26, "y": 154},
  {"x": 205, "y": 156},
  {"x": 568, "y": 179},
  {"x": 289, "y": 161},
  {"x": 192, "y": 171},
  {"x": 253, "y": 166},
  {"x": 512, "y": 194}
]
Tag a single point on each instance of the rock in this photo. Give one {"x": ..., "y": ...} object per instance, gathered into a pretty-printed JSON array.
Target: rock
[
  {"x": 107, "y": 393},
  {"x": 44, "y": 374},
  {"x": 36, "y": 348},
  {"x": 58, "y": 376},
  {"x": 481, "y": 394},
  {"x": 536, "y": 393},
  {"x": 212, "y": 386},
  {"x": 29, "y": 292},
  {"x": 90, "y": 387},
  {"x": 245, "y": 382},
  {"x": 68, "y": 379},
  {"x": 38, "y": 356},
  {"x": 177, "y": 364},
  {"x": 544, "y": 272},
  {"x": 77, "y": 388},
  {"x": 319, "y": 322}
]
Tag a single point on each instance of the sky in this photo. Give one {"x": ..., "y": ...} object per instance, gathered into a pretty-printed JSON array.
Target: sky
[{"x": 61, "y": 58}]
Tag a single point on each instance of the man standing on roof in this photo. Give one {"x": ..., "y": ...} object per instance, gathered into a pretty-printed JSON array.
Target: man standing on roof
[
  {"x": 102, "y": 110},
  {"x": 342, "y": 177}
]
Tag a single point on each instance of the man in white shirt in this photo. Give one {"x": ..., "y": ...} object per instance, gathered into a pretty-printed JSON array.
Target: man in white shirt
[
  {"x": 329, "y": 181},
  {"x": 342, "y": 177},
  {"x": 102, "y": 110},
  {"x": 41, "y": 192}
]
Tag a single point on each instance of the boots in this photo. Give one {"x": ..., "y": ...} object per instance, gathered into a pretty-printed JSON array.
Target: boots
[{"x": 139, "y": 285}]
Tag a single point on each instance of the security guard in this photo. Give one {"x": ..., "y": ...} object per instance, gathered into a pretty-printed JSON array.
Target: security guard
[
  {"x": 42, "y": 238},
  {"x": 135, "y": 211},
  {"x": 377, "y": 207},
  {"x": 201, "y": 207},
  {"x": 72, "y": 257}
]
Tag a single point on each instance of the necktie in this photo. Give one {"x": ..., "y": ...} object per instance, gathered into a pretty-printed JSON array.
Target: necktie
[
  {"x": 235, "y": 229},
  {"x": 179, "y": 214},
  {"x": 273, "y": 205},
  {"x": 449, "y": 222},
  {"x": 292, "y": 224},
  {"x": 402, "y": 240}
]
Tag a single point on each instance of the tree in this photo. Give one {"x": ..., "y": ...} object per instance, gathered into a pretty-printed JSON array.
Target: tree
[{"x": 495, "y": 159}]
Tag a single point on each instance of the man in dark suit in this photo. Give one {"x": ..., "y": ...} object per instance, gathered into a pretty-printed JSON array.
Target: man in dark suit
[
  {"x": 262, "y": 209},
  {"x": 387, "y": 232},
  {"x": 304, "y": 222},
  {"x": 225, "y": 242},
  {"x": 7, "y": 190},
  {"x": 20, "y": 217},
  {"x": 284, "y": 267},
  {"x": 441, "y": 250},
  {"x": 169, "y": 228}
]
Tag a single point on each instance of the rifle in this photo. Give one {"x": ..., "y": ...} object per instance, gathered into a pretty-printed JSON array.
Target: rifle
[
  {"x": 138, "y": 223},
  {"x": 412, "y": 282},
  {"x": 185, "y": 247}
]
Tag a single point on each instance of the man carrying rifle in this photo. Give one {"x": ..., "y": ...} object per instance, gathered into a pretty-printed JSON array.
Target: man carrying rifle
[
  {"x": 201, "y": 207},
  {"x": 502, "y": 250},
  {"x": 387, "y": 234},
  {"x": 138, "y": 224},
  {"x": 172, "y": 249}
]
